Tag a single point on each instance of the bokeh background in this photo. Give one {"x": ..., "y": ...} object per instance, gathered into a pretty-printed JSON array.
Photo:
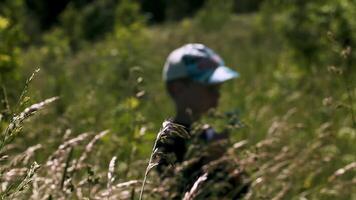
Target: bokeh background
[{"x": 294, "y": 102}]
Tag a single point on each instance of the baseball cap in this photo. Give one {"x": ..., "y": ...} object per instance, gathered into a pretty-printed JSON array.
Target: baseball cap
[{"x": 198, "y": 63}]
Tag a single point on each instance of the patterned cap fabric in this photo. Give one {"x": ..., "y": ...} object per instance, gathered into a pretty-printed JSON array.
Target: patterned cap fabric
[{"x": 199, "y": 63}]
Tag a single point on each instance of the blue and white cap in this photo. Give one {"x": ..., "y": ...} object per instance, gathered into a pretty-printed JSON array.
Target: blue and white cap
[{"x": 199, "y": 63}]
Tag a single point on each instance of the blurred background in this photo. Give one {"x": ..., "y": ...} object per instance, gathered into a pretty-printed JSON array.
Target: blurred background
[{"x": 103, "y": 59}]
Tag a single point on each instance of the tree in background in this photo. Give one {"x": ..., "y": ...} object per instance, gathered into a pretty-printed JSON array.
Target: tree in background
[
  {"x": 315, "y": 30},
  {"x": 246, "y": 6},
  {"x": 214, "y": 14}
]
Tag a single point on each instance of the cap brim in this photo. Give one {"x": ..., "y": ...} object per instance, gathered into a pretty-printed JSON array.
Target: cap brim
[{"x": 222, "y": 74}]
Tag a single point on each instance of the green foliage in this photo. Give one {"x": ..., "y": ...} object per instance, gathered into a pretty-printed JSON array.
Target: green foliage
[
  {"x": 12, "y": 37},
  {"x": 245, "y": 6},
  {"x": 128, "y": 13},
  {"x": 177, "y": 9},
  {"x": 296, "y": 127},
  {"x": 97, "y": 20},
  {"x": 10, "y": 127},
  {"x": 214, "y": 14},
  {"x": 309, "y": 28}
]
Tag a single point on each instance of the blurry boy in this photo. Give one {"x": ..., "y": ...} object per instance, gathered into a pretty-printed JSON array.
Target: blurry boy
[{"x": 193, "y": 75}]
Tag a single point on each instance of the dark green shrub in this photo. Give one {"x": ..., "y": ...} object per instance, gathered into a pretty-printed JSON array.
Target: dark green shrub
[{"x": 316, "y": 31}]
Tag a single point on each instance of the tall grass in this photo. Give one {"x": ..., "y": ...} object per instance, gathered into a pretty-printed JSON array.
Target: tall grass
[{"x": 292, "y": 131}]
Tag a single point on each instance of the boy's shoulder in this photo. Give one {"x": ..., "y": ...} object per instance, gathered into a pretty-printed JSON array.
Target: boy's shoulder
[{"x": 208, "y": 134}]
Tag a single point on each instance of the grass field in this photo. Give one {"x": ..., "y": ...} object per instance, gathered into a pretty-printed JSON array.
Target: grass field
[{"x": 297, "y": 124}]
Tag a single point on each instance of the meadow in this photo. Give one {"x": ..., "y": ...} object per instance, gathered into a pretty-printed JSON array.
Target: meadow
[{"x": 82, "y": 117}]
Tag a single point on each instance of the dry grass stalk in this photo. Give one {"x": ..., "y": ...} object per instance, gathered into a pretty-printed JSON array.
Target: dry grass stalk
[
  {"x": 240, "y": 144},
  {"x": 53, "y": 180},
  {"x": 25, "y": 157},
  {"x": 342, "y": 171},
  {"x": 117, "y": 189},
  {"x": 25, "y": 89},
  {"x": 74, "y": 141},
  {"x": 169, "y": 129},
  {"x": 67, "y": 134},
  {"x": 10, "y": 176},
  {"x": 192, "y": 193},
  {"x": 23, "y": 184},
  {"x": 65, "y": 169},
  {"x": 282, "y": 193},
  {"x": 128, "y": 184},
  {"x": 3, "y": 158},
  {"x": 89, "y": 147},
  {"x": 111, "y": 176},
  {"x": 15, "y": 124},
  {"x": 29, "y": 112}
]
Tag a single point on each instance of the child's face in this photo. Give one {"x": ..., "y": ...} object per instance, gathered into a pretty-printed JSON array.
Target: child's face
[{"x": 200, "y": 98}]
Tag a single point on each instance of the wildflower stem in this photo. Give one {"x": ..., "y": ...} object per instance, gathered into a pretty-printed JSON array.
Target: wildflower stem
[
  {"x": 350, "y": 99},
  {"x": 25, "y": 89},
  {"x": 148, "y": 166},
  {"x": 65, "y": 170}
]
